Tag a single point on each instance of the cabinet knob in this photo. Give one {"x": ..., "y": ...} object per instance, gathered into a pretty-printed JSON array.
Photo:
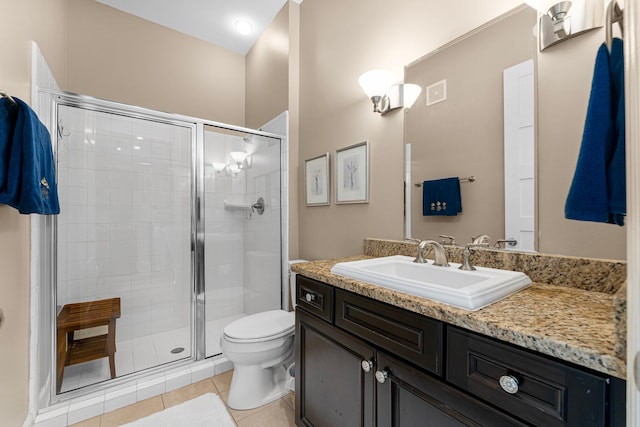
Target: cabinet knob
[
  {"x": 367, "y": 365},
  {"x": 310, "y": 297},
  {"x": 509, "y": 383},
  {"x": 381, "y": 376}
]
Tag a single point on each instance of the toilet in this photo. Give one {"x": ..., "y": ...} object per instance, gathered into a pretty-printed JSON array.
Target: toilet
[{"x": 260, "y": 346}]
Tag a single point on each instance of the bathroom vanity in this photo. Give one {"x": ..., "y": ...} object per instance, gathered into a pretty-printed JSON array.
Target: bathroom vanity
[{"x": 367, "y": 356}]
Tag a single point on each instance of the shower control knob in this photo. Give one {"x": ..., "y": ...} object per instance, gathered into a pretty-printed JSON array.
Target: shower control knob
[
  {"x": 367, "y": 365},
  {"x": 509, "y": 383},
  {"x": 381, "y": 376},
  {"x": 310, "y": 297}
]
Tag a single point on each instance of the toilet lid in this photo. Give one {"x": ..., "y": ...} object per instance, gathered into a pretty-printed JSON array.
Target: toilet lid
[{"x": 267, "y": 324}]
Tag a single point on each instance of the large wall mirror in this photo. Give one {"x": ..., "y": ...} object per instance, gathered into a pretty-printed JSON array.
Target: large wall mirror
[{"x": 457, "y": 128}]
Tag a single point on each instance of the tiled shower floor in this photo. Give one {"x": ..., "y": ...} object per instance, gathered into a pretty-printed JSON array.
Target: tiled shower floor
[{"x": 143, "y": 353}]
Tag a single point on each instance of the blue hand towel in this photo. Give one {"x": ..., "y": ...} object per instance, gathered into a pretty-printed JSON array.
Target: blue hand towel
[
  {"x": 441, "y": 197},
  {"x": 616, "y": 176},
  {"x": 27, "y": 167},
  {"x": 597, "y": 191}
]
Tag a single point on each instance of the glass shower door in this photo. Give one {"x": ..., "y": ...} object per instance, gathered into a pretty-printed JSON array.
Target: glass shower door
[
  {"x": 124, "y": 237},
  {"x": 243, "y": 243}
]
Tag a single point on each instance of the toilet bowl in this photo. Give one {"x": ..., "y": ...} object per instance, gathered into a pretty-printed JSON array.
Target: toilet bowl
[{"x": 260, "y": 346}]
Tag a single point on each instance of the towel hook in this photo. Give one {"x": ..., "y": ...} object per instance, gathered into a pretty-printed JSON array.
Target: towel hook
[
  {"x": 614, "y": 14},
  {"x": 6, "y": 95}
]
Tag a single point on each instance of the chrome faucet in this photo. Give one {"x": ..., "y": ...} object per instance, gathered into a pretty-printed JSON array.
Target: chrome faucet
[
  {"x": 439, "y": 252},
  {"x": 510, "y": 242}
]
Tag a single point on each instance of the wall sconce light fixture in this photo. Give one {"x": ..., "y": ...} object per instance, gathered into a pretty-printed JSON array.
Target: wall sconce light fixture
[
  {"x": 566, "y": 19},
  {"x": 375, "y": 84},
  {"x": 238, "y": 157},
  {"x": 218, "y": 166},
  {"x": 386, "y": 96}
]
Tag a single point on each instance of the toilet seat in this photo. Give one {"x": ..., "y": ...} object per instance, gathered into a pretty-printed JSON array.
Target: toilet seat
[{"x": 259, "y": 327}]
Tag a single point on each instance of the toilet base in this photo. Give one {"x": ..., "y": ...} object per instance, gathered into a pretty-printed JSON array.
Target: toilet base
[{"x": 252, "y": 386}]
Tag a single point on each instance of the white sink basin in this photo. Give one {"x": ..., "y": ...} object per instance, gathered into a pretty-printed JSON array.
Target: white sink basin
[{"x": 470, "y": 290}]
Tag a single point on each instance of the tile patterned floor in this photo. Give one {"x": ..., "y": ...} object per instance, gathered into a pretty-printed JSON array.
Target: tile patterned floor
[{"x": 276, "y": 414}]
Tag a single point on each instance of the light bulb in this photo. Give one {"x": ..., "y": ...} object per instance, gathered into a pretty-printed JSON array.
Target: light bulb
[{"x": 243, "y": 27}]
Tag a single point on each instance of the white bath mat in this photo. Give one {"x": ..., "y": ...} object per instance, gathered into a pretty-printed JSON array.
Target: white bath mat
[{"x": 203, "y": 411}]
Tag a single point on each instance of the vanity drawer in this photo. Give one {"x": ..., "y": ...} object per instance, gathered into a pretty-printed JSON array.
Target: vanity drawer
[
  {"x": 415, "y": 338},
  {"x": 315, "y": 297},
  {"x": 540, "y": 391}
]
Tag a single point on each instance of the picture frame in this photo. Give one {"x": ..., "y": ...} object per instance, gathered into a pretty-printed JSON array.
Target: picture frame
[
  {"x": 352, "y": 174},
  {"x": 317, "y": 181}
]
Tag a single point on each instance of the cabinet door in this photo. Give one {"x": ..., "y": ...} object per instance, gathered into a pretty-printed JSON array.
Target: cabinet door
[
  {"x": 332, "y": 389},
  {"x": 410, "y": 398}
]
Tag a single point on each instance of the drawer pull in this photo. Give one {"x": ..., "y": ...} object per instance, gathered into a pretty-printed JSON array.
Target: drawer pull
[
  {"x": 381, "y": 376},
  {"x": 310, "y": 297},
  {"x": 509, "y": 383},
  {"x": 367, "y": 365}
]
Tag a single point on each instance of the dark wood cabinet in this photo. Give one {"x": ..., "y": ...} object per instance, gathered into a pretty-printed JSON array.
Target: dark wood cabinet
[
  {"x": 541, "y": 391},
  {"x": 361, "y": 363},
  {"x": 410, "y": 397},
  {"x": 332, "y": 389}
]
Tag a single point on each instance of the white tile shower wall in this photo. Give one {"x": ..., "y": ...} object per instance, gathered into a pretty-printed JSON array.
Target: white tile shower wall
[
  {"x": 280, "y": 126},
  {"x": 224, "y": 231},
  {"x": 125, "y": 226},
  {"x": 263, "y": 269}
]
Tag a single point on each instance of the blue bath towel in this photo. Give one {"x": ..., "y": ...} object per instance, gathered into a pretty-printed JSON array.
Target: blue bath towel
[
  {"x": 27, "y": 167},
  {"x": 598, "y": 188},
  {"x": 441, "y": 197}
]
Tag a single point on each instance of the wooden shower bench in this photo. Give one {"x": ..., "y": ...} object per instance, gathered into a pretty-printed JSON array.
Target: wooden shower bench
[{"x": 83, "y": 315}]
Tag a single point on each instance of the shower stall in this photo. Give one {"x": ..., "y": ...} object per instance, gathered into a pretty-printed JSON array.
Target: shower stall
[{"x": 170, "y": 228}]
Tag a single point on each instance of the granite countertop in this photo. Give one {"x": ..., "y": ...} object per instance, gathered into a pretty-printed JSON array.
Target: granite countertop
[{"x": 571, "y": 324}]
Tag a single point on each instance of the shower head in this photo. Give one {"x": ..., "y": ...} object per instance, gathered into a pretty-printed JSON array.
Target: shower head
[{"x": 247, "y": 139}]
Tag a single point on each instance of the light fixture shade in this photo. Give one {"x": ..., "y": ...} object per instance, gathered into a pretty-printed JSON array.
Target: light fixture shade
[
  {"x": 541, "y": 5},
  {"x": 376, "y": 82},
  {"x": 238, "y": 156},
  {"x": 218, "y": 166},
  {"x": 411, "y": 93}
]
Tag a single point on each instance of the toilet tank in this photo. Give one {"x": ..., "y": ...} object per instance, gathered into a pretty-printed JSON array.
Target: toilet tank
[{"x": 292, "y": 283}]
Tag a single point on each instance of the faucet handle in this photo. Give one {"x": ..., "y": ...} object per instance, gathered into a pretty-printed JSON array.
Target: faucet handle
[
  {"x": 481, "y": 239},
  {"x": 451, "y": 239},
  {"x": 466, "y": 256}
]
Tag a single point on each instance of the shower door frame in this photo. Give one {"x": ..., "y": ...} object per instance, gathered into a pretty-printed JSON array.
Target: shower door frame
[{"x": 197, "y": 303}]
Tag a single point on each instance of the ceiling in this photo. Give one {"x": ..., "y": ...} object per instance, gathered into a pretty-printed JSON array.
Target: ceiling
[{"x": 209, "y": 20}]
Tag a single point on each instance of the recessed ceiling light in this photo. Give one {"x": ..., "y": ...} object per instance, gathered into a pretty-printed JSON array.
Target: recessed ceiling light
[{"x": 243, "y": 27}]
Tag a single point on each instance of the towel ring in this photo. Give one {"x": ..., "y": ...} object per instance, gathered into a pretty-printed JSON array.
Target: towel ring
[
  {"x": 614, "y": 14},
  {"x": 6, "y": 95}
]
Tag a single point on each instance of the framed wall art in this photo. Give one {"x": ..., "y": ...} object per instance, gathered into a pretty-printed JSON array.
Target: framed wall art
[
  {"x": 317, "y": 181},
  {"x": 352, "y": 174}
]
